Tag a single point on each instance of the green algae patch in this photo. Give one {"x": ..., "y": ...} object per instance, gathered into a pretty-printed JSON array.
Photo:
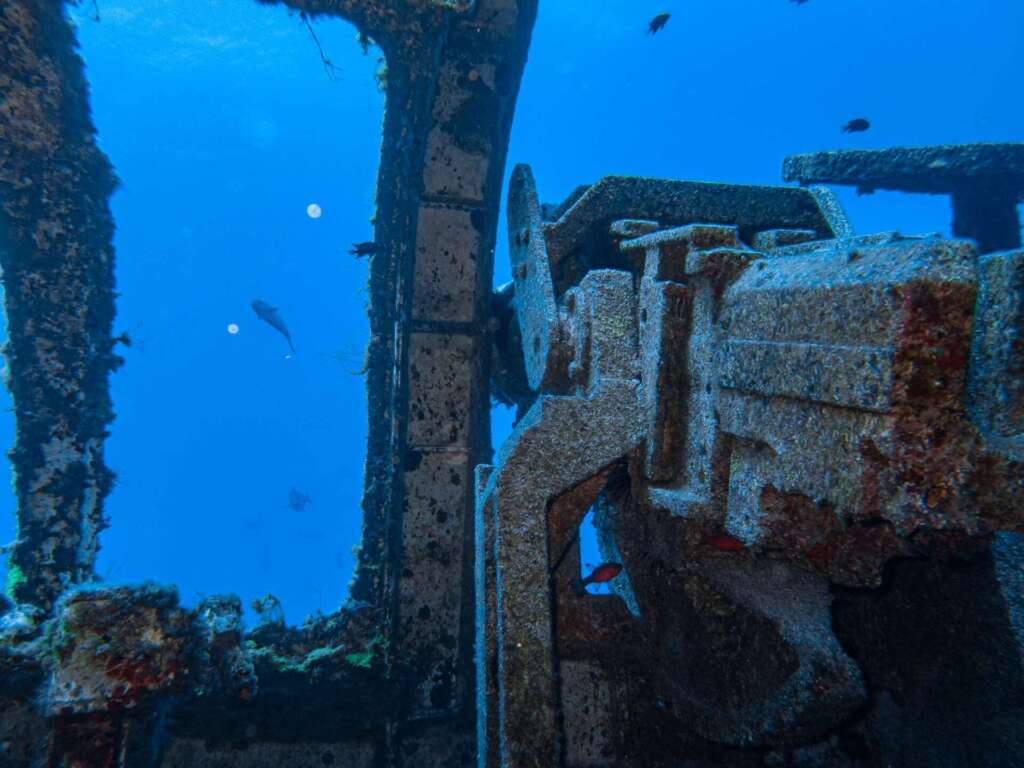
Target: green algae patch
[
  {"x": 363, "y": 659},
  {"x": 316, "y": 657},
  {"x": 15, "y": 578},
  {"x": 320, "y": 657}
]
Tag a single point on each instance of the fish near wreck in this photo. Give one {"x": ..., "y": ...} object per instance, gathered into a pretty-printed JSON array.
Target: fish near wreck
[
  {"x": 600, "y": 575},
  {"x": 360, "y": 250},
  {"x": 657, "y": 23},
  {"x": 725, "y": 543},
  {"x": 272, "y": 317}
]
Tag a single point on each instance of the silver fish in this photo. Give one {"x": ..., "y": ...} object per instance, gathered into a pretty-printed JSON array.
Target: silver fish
[{"x": 272, "y": 317}]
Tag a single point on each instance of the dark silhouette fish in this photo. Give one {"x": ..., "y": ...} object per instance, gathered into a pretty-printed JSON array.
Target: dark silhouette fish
[
  {"x": 658, "y": 22},
  {"x": 600, "y": 575},
  {"x": 798, "y": 2},
  {"x": 298, "y": 501},
  {"x": 363, "y": 249},
  {"x": 272, "y": 317},
  {"x": 857, "y": 125}
]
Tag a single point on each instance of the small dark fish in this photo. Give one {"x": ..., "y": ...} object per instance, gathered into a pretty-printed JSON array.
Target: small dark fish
[
  {"x": 725, "y": 543},
  {"x": 130, "y": 339},
  {"x": 363, "y": 249},
  {"x": 298, "y": 501},
  {"x": 600, "y": 575},
  {"x": 269, "y": 609},
  {"x": 798, "y": 2},
  {"x": 272, "y": 317},
  {"x": 857, "y": 125},
  {"x": 658, "y": 22}
]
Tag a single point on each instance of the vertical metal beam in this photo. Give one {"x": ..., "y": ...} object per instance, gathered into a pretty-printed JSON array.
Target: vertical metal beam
[
  {"x": 58, "y": 276},
  {"x": 446, "y": 370}
]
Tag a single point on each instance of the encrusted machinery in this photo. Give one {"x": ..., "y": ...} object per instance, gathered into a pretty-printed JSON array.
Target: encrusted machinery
[{"x": 767, "y": 414}]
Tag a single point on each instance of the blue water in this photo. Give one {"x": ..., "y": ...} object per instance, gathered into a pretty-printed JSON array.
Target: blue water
[{"x": 224, "y": 127}]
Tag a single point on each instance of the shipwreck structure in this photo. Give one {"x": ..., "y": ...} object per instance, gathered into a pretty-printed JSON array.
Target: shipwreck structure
[
  {"x": 805, "y": 447},
  {"x": 790, "y": 436}
]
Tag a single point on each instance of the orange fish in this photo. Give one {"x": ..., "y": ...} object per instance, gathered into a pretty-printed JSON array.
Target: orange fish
[
  {"x": 725, "y": 543},
  {"x": 600, "y": 575}
]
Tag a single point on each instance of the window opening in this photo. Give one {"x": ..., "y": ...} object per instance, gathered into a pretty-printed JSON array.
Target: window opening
[
  {"x": 247, "y": 168},
  {"x": 602, "y": 568}
]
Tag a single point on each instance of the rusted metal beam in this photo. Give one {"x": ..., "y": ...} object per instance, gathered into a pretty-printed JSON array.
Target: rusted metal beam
[
  {"x": 985, "y": 182},
  {"x": 58, "y": 276}
]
